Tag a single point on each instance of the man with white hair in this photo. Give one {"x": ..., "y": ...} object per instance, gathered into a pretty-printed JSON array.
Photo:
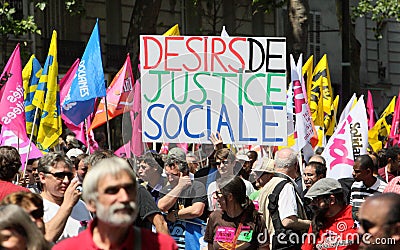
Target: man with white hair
[
  {"x": 281, "y": 203},
  {"x": 109, "y": 190}
]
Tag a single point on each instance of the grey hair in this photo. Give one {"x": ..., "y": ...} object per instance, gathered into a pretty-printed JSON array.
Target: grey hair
[
  {"x": 14, "y": 217},
  {"x": 110, "y": 166},
  {"x": 285, "y": 158},
  {"x": 51, "y": 159}
]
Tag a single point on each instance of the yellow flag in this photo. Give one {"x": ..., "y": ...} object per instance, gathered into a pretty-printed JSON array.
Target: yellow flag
[
  {"x": 30, "y": 77},
  {"x": 330, "y": 119},
  {"x": 307, "y": 71},
  {"x": 378, "y": 134},
  {"x": 48, "y": 100},
  {"x": 174, "y": 31}
]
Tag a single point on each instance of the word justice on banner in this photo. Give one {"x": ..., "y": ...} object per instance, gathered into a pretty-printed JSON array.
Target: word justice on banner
[{"x": 193, "y": 85}]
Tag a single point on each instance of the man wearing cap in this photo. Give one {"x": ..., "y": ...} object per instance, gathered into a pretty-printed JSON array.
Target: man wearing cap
[
  {"x": 366, "y": 184},
  {"x": 332, "y": 226},
  {"x": 262, "y": 174}
]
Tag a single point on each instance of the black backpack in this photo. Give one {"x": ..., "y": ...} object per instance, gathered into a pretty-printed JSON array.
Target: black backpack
[{"x": 283, "y": 238}]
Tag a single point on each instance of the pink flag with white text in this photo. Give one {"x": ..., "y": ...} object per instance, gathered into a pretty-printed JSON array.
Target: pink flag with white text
[
  {"x": 9, "y": 138},
  {"x": 12, "y": 110}
]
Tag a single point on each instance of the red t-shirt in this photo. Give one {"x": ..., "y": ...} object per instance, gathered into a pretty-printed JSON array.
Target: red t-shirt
[
  {"x": 340, "y": 233},
  {"x": 149, "y": 240},
  {"x": 7, "y": 188}
]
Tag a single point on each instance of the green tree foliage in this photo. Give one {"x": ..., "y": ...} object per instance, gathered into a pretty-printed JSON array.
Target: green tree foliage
[{"x": 379, "y": 11}]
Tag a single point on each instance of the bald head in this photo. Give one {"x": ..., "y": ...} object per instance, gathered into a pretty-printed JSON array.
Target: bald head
[{"x": 286, "y": 162}]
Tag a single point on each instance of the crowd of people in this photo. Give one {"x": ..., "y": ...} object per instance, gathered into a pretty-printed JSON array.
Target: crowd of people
[{"x": 229, "y": 199}]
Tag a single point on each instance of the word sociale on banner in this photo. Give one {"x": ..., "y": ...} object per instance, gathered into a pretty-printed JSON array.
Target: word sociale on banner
[{"x": 192, "y": 85}]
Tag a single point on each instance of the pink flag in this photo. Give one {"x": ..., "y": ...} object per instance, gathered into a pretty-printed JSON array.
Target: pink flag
[
  {"x": 124, "y": 151},
  {"x": 65, "y": 85},
  {"x": 394, "y": 136},
  {"x": 9, "y": 138},
  {"x": 370, "y": 111},
  {"x": 12, "y": 110},
  {"x": 136, "y": 117}
]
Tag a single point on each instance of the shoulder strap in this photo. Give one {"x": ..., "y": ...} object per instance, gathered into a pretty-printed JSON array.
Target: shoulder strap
[
  {"x": 138, "y": 238},
  {"x": 273, "y": 204}
]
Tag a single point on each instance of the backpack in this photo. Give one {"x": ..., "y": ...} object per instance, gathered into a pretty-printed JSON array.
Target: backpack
[{"x": 283, "y": 238}]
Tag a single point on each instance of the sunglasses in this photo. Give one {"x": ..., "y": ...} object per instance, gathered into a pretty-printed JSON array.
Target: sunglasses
[
  {"x": 226, "y": 162},
  {"x": 37, "y": 213},
  {"x": 129, "y": 188},
  {"x": 61, "y": 175}
]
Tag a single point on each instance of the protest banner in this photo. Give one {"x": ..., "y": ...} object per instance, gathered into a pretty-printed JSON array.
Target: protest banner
[{"x": 192, "y": 85}]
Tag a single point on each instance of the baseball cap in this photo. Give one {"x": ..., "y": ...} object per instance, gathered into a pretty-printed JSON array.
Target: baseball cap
[
  {"x": 323, "y": 187},
  {"x": 266, "y": 165},
  {"x": 74, "y": 152},
  {"x": 177, "y": 154}
]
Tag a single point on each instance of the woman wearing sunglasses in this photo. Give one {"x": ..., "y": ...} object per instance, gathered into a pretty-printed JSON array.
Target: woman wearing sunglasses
[
  {"x": 237, "y": 225},
  {"x": 32, "y": 204},
  {"x": 18, "y": 232}
]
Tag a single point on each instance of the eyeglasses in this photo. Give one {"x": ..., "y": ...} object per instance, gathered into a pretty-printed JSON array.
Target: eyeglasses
[
  {"x": 176, "y": 175},
  {"x": 218, "y": 163},
  {"x": 61, "y": 175},
  {"x": 217, "y": 195},
  {"x": 37, "y": 213}
]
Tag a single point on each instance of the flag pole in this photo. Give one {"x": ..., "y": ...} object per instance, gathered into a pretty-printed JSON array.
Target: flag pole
[
  {"x": 30, "y": 140},
  {"x": 87, "y": 137},
  {"x": 108, "y": 124}
]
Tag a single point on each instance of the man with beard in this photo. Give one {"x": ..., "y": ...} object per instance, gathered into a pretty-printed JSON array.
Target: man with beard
[
  {"x": 109, "y": 190},
  {"x": 380, "y": 222},
  {"x": 332, "y": 226}
]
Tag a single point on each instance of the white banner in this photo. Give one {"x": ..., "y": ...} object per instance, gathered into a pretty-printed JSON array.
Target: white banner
[
  {"x": 349, "y": 141},
  {"x": 195, "y": 85}
]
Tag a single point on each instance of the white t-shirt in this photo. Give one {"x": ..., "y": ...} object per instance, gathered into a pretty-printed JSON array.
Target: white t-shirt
[
  {"x": 287, "y": 205},
  {"x": 213, "y": 204},
  {"x": 75, "y": 222}
]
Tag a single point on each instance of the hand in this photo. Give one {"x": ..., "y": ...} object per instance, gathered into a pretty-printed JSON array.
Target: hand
[
  {"x": 184, "y": 181},
  {"x": 171, "y": 216},
  {"x": 71, "y": 195},
  {"x": 216, "y": 140}
]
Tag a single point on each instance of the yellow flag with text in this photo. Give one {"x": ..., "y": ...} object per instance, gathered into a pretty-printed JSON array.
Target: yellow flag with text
[{"x": 48, "y": 99}]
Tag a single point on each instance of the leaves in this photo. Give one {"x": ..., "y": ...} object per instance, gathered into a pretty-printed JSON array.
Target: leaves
[{"x": 379, "y": 11}]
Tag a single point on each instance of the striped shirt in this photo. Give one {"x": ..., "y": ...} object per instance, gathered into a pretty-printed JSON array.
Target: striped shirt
[{"x": 359, "y": 192}]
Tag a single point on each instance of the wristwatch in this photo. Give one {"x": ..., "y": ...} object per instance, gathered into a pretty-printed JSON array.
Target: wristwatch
[{"x": 176, "y": 214}]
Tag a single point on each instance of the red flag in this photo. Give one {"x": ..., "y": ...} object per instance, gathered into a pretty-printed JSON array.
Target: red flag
[
  {"x": 370, "y": 111},
  {"x": 119, "y": 97},
  {"x": 12, "y": 109},
  {"x": 136, "y": 117},
  {"x": 394, "y": 136}
]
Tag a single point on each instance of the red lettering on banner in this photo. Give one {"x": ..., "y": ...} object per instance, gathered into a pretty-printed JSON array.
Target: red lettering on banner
[
  {"x": 194, "y": 53},
  {"x": 340, "y": 153},
  {"x": 298, "y": 97},
  {"x": 146, "y": 53},
  {"x": 169, "y": 54},
  {"x": 215, "y": 55},
  {"x": 236, "y": 53}
]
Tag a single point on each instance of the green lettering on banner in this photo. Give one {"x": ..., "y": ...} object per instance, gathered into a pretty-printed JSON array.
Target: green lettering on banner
[
  {"x": 223, "y": 76},
  {"x": 247, "y": 85},
  {"x": 159, "y": 73},
  {"x": 173, "y": 88},
  {"x": 200, "y": 87},
  {"x": 269, "y": 89}
]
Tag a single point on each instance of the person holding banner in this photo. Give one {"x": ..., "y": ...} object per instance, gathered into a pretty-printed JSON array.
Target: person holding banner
[{"x": 237, "y": 225}]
